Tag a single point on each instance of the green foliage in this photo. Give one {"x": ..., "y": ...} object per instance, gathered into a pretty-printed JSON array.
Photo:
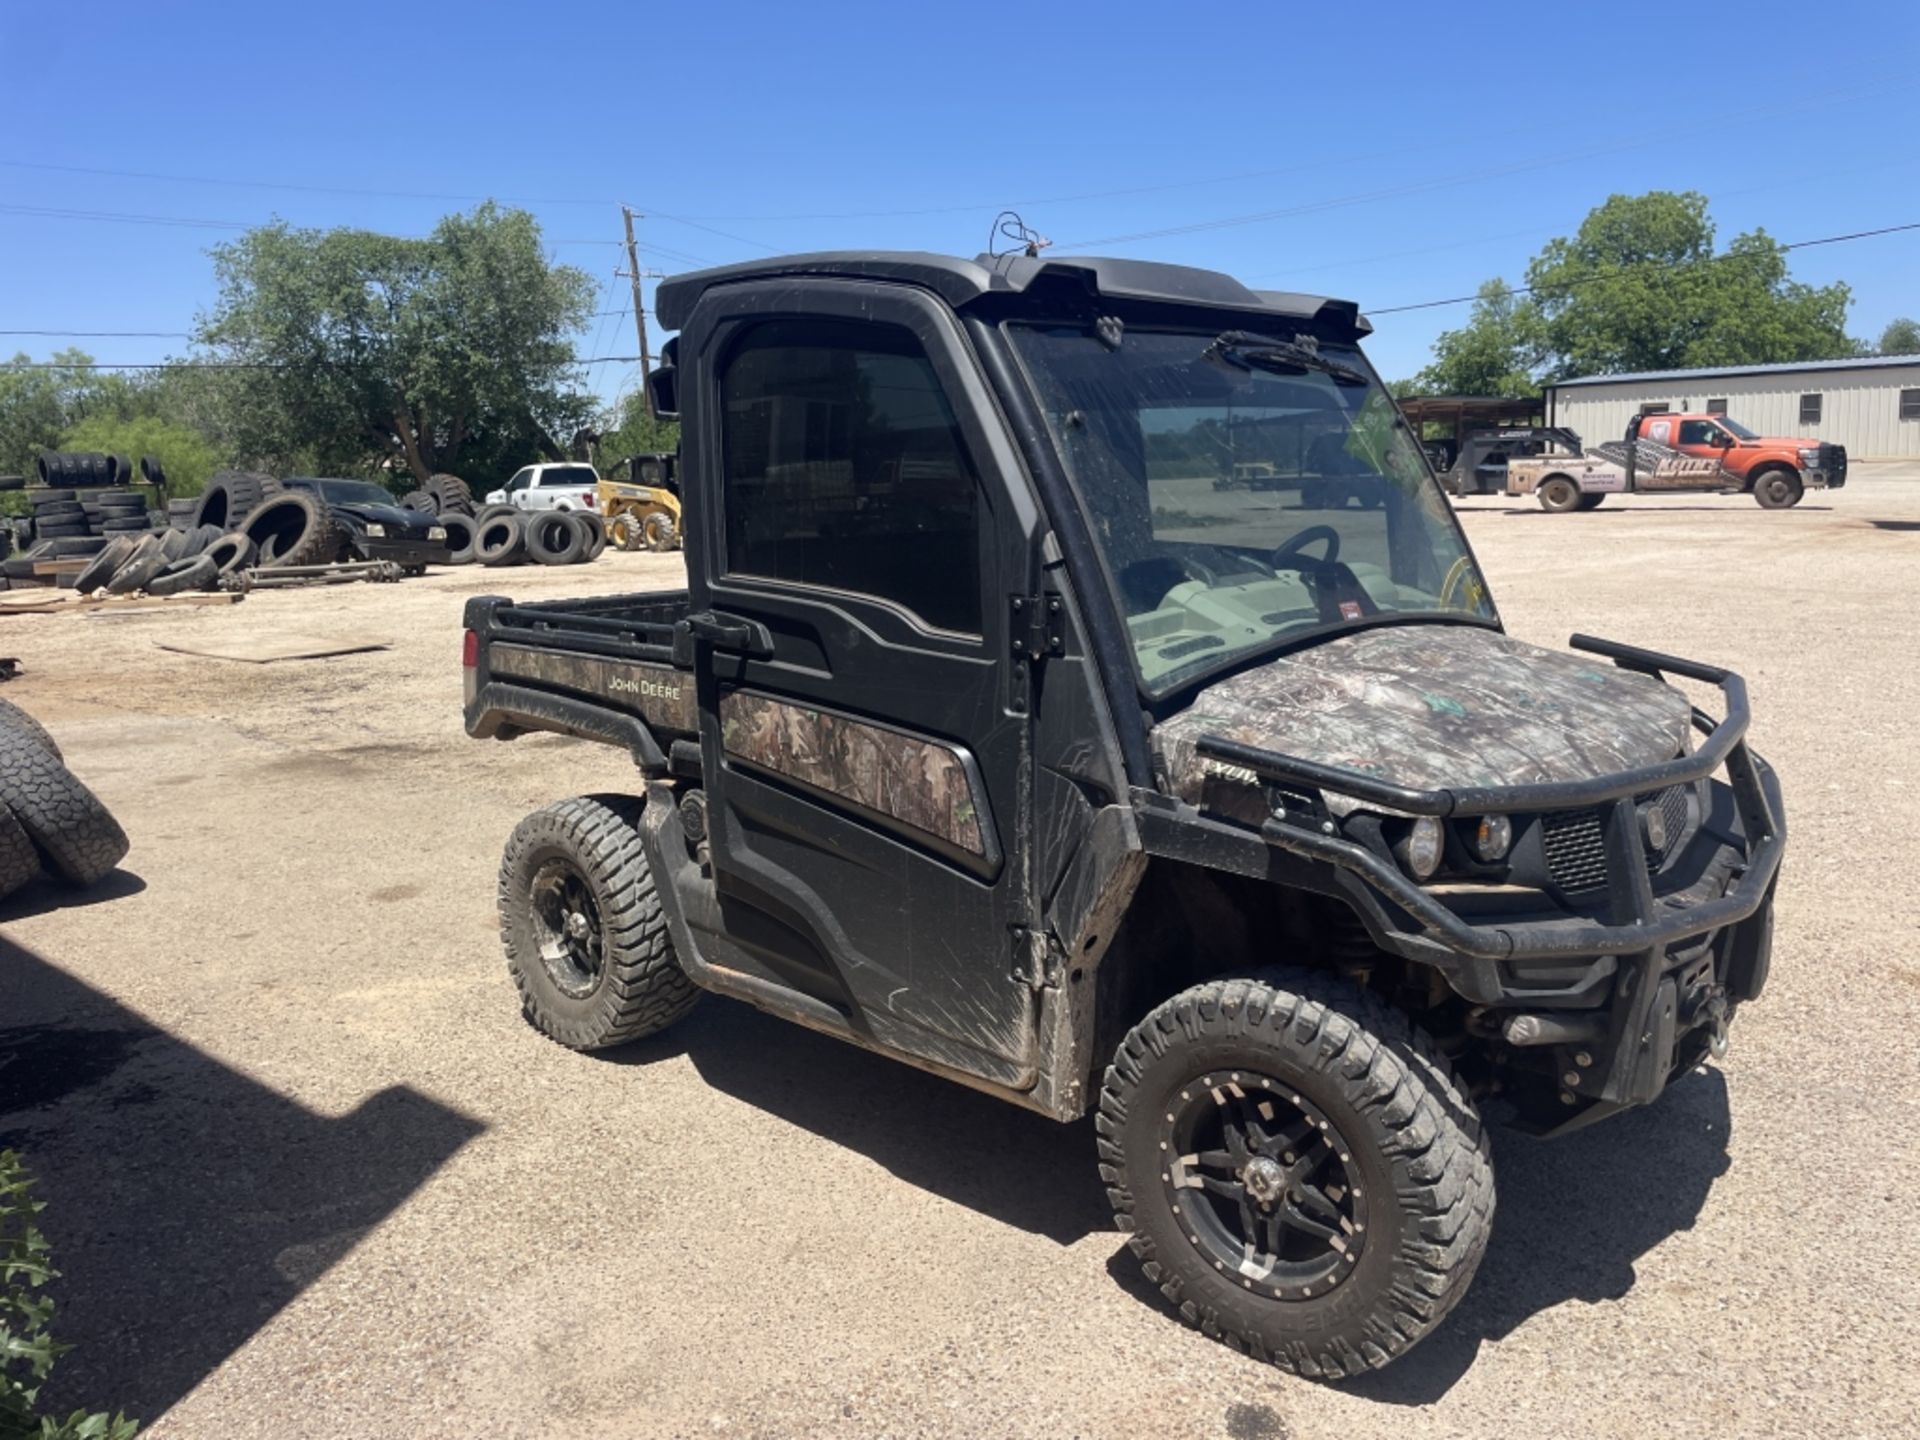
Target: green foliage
[
  {"x": 1639, "y": 287},
  {"x": 27, "y": 1348},
  {"x": 38, "y": 406},
  {"x": 1901, "y": 337},
  {"x": 629, "y": 430},
  {"x": 186, "y": 456},
  {"x": 1493, "y": 354},
  {"x": 448, "y": 353}
]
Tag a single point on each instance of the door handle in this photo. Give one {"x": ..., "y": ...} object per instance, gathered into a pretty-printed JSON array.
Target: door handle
[{"x": 725, "y": 632}]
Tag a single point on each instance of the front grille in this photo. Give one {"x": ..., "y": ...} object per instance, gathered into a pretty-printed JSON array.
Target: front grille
[
  {"x": 1576, "y": 849},
  {"x": 1575, "y": 844}
]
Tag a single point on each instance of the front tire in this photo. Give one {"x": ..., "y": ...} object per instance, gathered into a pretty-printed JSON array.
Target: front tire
[
  {"x": 586, "y": 941},
  {"x": 1778, "y": 490},
  {"x": 1297, "y": 1169}
]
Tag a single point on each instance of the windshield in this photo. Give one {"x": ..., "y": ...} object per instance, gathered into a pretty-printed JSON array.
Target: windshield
[
  {"x": 1246, "y": 492},
  {"x": 1737, "y": 428},
  {"x": 351, "y": 492}
]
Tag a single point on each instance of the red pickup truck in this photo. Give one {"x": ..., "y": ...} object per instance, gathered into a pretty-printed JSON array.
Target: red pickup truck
[{"x": 1775, "y": 471}]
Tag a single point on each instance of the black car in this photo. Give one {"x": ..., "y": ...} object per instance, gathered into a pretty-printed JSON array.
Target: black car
[{"x": 375, "y": 526}]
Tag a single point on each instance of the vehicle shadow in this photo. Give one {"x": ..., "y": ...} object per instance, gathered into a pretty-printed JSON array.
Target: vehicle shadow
[
  {"x": 44, "y": 893},
  {"x": 186, "y": 1204},
  {"x": 1573, "y": 1216},
  {"x": 1015, "y": 1166}
]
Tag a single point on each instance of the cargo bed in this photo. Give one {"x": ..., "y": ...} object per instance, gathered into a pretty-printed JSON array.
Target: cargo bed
[{"x": 615, "y": 669}]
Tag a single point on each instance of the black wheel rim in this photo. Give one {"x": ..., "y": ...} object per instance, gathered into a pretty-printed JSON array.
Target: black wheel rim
[
  {"x": 566, "y": 928},
  {"x": 1264, "y": 1185}
]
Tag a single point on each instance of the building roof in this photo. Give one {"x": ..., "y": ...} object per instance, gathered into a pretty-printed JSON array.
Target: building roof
[
  {"x": 1855, "y": 362},
  {"x": 961, "y": 282}
]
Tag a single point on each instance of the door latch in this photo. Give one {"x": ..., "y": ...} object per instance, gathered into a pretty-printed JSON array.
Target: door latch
[{"x": 725, "y": 632}]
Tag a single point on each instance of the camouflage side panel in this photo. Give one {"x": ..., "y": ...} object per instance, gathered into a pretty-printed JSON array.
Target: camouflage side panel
[
  {"x": 658, "y": 694},
  {"x": 918, "y": 782},
  {"x": 1426, "y": 706}
]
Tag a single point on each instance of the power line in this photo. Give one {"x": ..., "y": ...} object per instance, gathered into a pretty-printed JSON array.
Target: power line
[
  {"x": 45, "y": 212},
  {"x": 361, "y": 191},
  {"x": 1612, "y": 271}
]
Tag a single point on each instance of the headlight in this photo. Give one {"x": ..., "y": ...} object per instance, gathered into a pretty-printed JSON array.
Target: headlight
[
  {"x": 1810, "y": 459},
  {"x": 378, "y": 532},
  {"x": 1492, "y": 838},
  {"x": 436, "y": 532},
  {"x": 1420, "y": 851}
]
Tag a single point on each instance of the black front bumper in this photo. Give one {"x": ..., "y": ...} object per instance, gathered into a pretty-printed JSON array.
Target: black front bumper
[
  {"x": 402, "y": 550},
  {"x": 1638, "y": 982}
]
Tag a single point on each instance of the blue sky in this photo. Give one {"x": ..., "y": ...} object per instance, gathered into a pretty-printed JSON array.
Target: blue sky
[{"x": 1392, "y": 154}]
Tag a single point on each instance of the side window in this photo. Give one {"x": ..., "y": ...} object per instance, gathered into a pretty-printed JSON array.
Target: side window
[
  {"x": 521, "y": 480},
  {"x": 844, "y": 468},
  {"x": 1660, "y": 432},
  {"x": 1698, "y": 432}
]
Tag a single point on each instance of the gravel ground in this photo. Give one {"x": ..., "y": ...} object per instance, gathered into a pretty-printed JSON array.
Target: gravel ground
[{"x": 310, "y": 1175}]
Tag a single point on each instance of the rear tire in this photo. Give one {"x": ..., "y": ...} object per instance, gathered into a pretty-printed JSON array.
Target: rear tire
[
  {"x": 1303, "y": 1088},
  {"x": 586, "y": 941},
  {"x": 1557, "y": 495},
  {"x": 1777, "y": 489}
]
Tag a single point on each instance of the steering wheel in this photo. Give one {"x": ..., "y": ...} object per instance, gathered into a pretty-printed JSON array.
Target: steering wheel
[{"x": 1294, "y": 544}]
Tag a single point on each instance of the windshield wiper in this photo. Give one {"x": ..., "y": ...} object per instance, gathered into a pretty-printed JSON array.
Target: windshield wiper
[{"x": 1244, "y": 350}]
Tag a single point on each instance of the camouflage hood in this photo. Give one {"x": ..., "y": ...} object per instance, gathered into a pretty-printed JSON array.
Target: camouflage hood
[{"x": 1426, "y": 706}]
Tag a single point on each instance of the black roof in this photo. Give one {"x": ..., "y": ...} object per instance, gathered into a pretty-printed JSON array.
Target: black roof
[{"x": 962, "y": 282}]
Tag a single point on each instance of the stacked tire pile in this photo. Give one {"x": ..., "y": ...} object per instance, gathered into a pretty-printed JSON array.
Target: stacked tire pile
[
  {"x": 50, "y": 823},
  {"x": 503, "y": 535},
  {"x": 70, "y": 524},
  {"x": 241, "y": 521}
]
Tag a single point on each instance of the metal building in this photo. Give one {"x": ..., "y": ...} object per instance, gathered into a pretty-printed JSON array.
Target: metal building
[{"x": 1870, "y": 404}]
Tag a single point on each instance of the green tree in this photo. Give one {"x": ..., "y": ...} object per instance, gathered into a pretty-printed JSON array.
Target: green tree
[
  {"x": 627, "y": 429},
  {"x": 360, "y": 350},
  {"x": 1491, "y": 355},
  {"x": 1640, "y": 287},
  {"x": 186, "y": 456},
  {"x": 1901, "y": 337},
  {"x": 40, "y": 403}
]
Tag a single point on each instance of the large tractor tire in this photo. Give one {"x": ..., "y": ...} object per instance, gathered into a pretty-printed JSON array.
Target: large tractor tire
[{"x": 293, "y": 528}]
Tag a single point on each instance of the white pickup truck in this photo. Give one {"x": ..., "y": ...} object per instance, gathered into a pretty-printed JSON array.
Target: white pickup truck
[{"x": 551, "y": 487}]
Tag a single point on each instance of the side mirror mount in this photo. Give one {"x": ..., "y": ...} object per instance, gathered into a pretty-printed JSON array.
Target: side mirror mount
[{"x": 664, "y": 392}]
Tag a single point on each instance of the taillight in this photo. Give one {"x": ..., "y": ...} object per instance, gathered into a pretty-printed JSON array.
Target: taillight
[
  {"x": 589, "y": 499},
  {"x": 470, "y": 650}
]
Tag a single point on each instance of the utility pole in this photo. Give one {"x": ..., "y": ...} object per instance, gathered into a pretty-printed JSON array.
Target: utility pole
[{"x": 636, "y": 274}]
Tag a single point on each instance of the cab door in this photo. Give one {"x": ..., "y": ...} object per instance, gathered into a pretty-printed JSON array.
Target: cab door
[{"x": 864, "y": 734}]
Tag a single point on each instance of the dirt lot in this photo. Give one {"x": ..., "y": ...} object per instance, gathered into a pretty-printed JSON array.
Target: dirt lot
[{"x": 311, "y": 1176}]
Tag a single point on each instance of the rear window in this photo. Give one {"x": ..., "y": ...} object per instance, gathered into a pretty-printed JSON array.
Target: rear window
[{"x": 571, "y": 475}]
